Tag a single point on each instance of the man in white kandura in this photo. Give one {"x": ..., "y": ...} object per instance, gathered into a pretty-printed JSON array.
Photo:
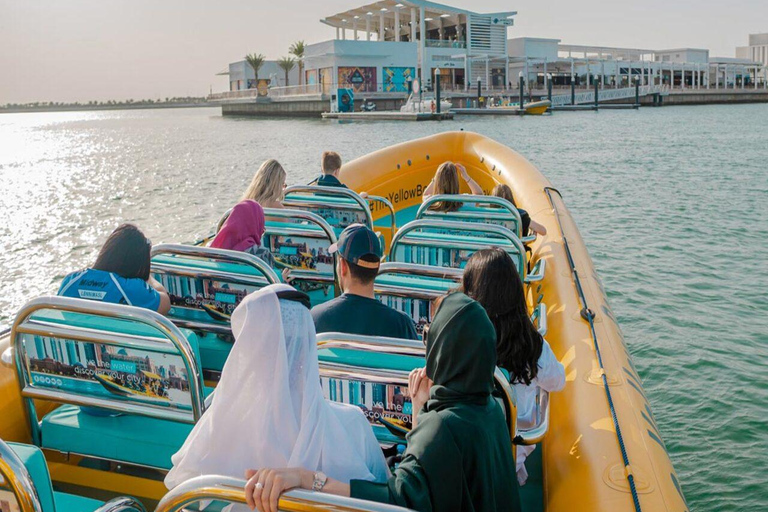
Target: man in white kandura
[{"x": 268, "y": 409}]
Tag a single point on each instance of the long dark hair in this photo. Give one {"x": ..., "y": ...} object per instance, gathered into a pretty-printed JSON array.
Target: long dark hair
[
  {"x": 125, "y": 253},
  {"x": 491, "y": 278}
]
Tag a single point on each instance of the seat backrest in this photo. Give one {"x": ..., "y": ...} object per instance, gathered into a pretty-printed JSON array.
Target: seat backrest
[
  {"x": 372, "y": 373},
  {"x": 451, "y": 243},
  {"x": 338, "y": 206},
  {"x": 412, "y": 289},
  {"x": 482, "y": 209},
  {"x": 299, "y": 240},
  {"x": 206, "y": 284},
  {"x": 110, "y": 356}
]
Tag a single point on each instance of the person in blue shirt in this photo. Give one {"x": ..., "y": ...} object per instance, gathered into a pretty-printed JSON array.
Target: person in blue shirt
[{"x": 120, "y": 274}]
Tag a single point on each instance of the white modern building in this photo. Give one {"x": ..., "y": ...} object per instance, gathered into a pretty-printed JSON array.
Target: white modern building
[
  {"x": 241, "y": 75},
  {"x": 757, "y": 51},
  {"x": 383, "y": 46},
  {"x": 681, "y": 68}
]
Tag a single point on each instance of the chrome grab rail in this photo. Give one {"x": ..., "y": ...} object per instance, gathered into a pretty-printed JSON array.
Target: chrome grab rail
[
  {"x": 475, "y": 227},
  {"x": 415, "y": 269},
  {"x": 317, "y": 190},
  {"x": 397, "y": 346},
  {"x": 537, "y": 272},
  {"x": 498, "y": 202},
  {"x": 122, "y": 504},
  {"x": 223, "y": 255},
  {"x": 536, "y": 432},
  {"x": 539, "y": 317},
  {"x": 232, "y": 490},
  {"x": 388, "y": 205},
  {"x": 18, "y": 480},
  {"x": 23, "y": 324}
]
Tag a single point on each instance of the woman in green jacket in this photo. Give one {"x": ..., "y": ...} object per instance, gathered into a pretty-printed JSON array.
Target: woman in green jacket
[{"x": 459, "y": 455}]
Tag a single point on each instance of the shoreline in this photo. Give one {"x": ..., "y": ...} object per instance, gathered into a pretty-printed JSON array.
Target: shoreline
[{"x": 87, "y": 108}]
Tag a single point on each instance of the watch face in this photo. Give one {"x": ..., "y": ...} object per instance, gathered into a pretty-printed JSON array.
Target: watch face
[{"x": 319, "y": 482}]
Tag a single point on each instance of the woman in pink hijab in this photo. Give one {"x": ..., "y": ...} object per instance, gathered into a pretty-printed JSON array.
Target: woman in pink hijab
[{"x": 243, "y": 229}]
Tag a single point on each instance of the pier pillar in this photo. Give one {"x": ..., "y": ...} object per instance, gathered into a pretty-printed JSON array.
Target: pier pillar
[
  {"x": 381, "y": 25},
  {"x": 413, "y": 24},
  {"x": 397, "y": 24},
  {"x": 367, "y": 27}
]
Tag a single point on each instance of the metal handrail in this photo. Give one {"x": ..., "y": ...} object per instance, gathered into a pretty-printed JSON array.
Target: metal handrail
[
  {"x": 427, "y": 224},
  {"x": 415, "y": 269},
  {"x": 536, "y": 432},
  {"x": 122, "y": 504},
  {"x": 223, "y": 255},
  {"x": 395, "y": 346},
  {"x": 424, "y": 209},
  {"x": 540, "y": 315},
  {"x": 143, "y": 316},
  {"x": 232, "y": 490},
  {"x": 388, "y": 205},
  {"x": 318, "y": 190},
  {"x": 17, "y": 477}
]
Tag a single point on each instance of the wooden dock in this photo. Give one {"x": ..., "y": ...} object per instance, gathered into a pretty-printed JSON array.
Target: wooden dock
[
  {"x": 388, "y": 116},
  {"x": 488, "y": 111}
]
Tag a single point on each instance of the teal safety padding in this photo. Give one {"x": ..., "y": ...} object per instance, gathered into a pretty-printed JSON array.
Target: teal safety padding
[
  {"x": 73, "y": 503},
  {"x": 289, "y": 228},
  {"x": 127, "y": 438},
  {"x": 207, "y": 265},
  {"x": 417, "y": 282},
  {"x": 372, "y": 360},
  {"x": 338, "y": 201},
  {"x": 34, "y": 461},
  {"x": 405, "y": 215}
]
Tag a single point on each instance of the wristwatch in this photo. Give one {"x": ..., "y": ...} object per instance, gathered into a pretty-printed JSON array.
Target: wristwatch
[{"x": 319, "y": 482}]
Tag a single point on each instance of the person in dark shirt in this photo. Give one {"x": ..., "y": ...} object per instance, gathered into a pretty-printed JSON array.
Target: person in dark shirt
[
  {"x": 331, "y": 166},
  {"x": 357, "y": 311}
]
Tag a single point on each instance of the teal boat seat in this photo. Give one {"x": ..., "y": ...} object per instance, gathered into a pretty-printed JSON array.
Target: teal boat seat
[
  {"x": 337, "y": 206},
  {"x": 51, "y": 501},
  {"x": 476, "y": 209},
  {"x": 126, "y": 438}
]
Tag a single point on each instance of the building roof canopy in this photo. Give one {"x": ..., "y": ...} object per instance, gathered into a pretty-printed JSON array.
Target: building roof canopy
[{"x": 435, "y": 14}]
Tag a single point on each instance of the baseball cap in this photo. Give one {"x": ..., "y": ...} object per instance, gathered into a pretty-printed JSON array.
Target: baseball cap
[{"x": 355, "y": 242}]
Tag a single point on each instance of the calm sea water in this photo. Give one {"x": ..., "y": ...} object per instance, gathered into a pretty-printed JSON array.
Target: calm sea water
[{"x": 671, "y": 202}]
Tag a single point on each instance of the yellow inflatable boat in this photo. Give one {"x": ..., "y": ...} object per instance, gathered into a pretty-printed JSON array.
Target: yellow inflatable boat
[{"x": 600, "y": 446}]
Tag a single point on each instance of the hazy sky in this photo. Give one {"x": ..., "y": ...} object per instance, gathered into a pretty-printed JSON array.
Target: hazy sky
[{"x": 78, "y": 50}]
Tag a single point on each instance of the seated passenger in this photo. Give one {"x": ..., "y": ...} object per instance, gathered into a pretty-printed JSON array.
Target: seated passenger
[
  {"x": 459, "y": 455},
  {"x": 120, "y": 274},
  {"x": 446, "y": 181},
  {"x": 330, "y": 171},
  {"x": 243, "y": 229},
  {"x": 491, "y": 278},
  {"x": 268, "y": 185},
  {"x": 357, "y": 311},
  {"x": 268, "y": 409},
  {"x": 503, "y": 191}
]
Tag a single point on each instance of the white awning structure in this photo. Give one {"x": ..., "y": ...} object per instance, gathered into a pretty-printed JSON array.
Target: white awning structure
[{"x": 382, "y": 17}]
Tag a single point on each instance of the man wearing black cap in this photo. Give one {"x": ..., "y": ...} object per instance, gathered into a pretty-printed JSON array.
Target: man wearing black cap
[{"x": 357, "y": 311}]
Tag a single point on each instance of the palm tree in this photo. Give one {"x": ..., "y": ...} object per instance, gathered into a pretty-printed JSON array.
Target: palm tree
[
  {"x": 297, "y": 50},
  {"x": 256, "y": 61},
  {"x": 286, "y": 64}
]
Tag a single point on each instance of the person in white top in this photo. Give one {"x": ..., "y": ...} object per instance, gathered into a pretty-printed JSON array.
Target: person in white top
[
  {"x": 268, "y": 409},
  {"x": 491, "y": 278}
]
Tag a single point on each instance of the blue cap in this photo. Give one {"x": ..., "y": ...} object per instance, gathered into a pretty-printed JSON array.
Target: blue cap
[{"x": 355, "y": 242}]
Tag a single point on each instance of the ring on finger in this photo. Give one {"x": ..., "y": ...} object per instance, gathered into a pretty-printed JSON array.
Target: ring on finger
[{"x": 259, "y": 485}]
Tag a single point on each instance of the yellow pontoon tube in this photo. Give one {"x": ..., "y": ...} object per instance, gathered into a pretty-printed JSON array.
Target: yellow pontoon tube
[{"x": 603, "y": 451}]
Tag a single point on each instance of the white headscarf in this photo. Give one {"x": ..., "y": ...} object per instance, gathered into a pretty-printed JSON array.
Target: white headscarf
[{"x": 268, "y": 410}]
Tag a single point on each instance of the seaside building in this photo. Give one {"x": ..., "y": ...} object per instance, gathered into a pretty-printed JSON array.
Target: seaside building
[
  {"x": 241, "y": 75},
  {"x": 681, "y": 68},
  {"x": 757, "y": 51},
  {"x": 382, "y": 47}
]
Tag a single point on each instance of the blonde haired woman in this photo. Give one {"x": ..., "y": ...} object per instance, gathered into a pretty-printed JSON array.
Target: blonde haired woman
[
  {"x": 267, "y": 185},
  {"x": 446, "y": 181}
]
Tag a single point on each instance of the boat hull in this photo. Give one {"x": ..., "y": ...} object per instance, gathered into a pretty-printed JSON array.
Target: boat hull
[{"x": 583, "y": 468}]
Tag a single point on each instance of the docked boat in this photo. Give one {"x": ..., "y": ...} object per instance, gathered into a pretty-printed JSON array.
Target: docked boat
[
  {"x": 600, "y": 447},
  {"x": 534, "y": 108}
]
